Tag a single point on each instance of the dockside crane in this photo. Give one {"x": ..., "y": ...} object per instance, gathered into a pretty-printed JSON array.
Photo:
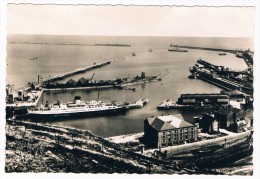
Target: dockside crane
[{"x": 92, "y": 77}]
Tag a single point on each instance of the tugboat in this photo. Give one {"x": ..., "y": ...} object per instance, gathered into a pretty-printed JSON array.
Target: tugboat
[
  {"x": 138, "y": 104},
  {"x": 34, "y": 58},
  {"x": 77, "y": 107}
]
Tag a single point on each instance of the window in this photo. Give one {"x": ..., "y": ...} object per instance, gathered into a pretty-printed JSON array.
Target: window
[
  {"x": 180, "y": 137},
  {"x": 163, "y": 140},
  {"x": 163, "y": 133}
]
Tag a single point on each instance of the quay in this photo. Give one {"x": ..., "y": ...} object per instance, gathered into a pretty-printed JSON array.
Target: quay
[
  {"x": 220, "y": 69},
  {"x": 27, "y": 104},
  {"x": 119, "y": 83},
  {"x": 29, "y": 97},
  {"x": 224, "y": 82},
  {"x": 223, "y": 77}
]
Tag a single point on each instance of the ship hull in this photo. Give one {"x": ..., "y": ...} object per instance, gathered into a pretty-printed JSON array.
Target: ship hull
[
  {"x": 50, "y": 116},
  {"x": 170, "y": 50}
]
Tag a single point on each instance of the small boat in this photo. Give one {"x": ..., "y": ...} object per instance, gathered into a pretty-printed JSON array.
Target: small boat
[
  {"x": 222, "y": 54},
  {"x": 145, "y": 101},
  {"x": 169, "y": 104},
  {"x": 34, "y": 58},
  {"x": 138, "y": 104},
  {"x": 192, "y": 76}
]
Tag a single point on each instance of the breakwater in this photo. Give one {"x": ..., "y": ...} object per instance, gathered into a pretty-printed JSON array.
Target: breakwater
[
  {"x": 245, "y": 54},
  {"x": 210, "y": 49},
  {"x": 77, "y": 71}
]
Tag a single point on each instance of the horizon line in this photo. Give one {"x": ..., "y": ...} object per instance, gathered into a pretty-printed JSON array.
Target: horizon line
[{"x": 133, "y": 35}]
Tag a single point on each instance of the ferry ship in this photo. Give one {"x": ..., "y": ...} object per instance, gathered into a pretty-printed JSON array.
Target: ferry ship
[{"x": 76, "y": 108}]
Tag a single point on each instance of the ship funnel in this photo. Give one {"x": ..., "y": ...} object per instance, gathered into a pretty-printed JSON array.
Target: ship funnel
[
  {"x": 77, "y": 99},
  {"x": 143, "y": 75}
]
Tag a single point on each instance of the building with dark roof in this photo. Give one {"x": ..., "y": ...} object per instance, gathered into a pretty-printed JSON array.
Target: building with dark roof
[
  {"x": 163, "y": 131},
  {"x": 192, "y": 99},
  {"x": 209, "y": 124},
  {"x": 233, "y": 119}
]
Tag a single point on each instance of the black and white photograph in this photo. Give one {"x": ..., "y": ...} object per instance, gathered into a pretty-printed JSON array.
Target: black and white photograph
[{"x": 129, "y": 89}]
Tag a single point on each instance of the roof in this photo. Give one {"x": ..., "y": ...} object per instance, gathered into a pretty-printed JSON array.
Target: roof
[
  {"x": 150, "y": 120},
  {"x": 210, "y": 95},
  {"x": 232, "y": 92},
  {"x": 162, "y": 123},
  {"x": 207, "y": 118}
]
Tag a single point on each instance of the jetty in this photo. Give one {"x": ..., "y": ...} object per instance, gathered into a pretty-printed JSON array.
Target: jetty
[
  {"x": 79, "y": 70},
  {"x": 211, "y": 49},
  {"x": 114, "y": 45},
  {"x": 220, "y": 69},
  {"x": 224, "y": 77},
  {"x": 247, "y": 55}
]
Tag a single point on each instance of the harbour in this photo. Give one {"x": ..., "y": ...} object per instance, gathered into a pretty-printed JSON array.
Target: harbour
[
  {"x": 129, "y": 89},
  {"x": 180, "y": 84},
  {"x": 132, "y": 99}
]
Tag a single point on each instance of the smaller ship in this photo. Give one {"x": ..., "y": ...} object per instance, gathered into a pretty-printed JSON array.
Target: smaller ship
[
  {"x": 193, "y": 76},
  {"x": 220, "y": 54},
  {"x": 176, "y": 49},
  {"x": 170, "y": 104},
  {"x": 138, "y": 104},
  {"x": 34, "y": 58}
]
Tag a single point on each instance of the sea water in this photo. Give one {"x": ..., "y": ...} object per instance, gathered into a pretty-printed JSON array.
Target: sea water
[{"x": 59, "y": 54}]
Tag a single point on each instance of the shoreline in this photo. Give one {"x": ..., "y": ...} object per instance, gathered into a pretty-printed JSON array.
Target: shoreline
[{"x": 62, "y": 149}]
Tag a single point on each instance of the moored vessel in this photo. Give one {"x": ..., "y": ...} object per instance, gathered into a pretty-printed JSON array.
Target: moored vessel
[
  {"x": 76, "y": 108},
  {"x": 137, "y": 104}
]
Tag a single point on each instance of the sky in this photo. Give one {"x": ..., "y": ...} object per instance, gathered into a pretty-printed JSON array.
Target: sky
[{"x": 130, "y": 20}]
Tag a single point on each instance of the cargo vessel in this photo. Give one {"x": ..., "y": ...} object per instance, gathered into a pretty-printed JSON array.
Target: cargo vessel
[{"x": 176, "y": 49}]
